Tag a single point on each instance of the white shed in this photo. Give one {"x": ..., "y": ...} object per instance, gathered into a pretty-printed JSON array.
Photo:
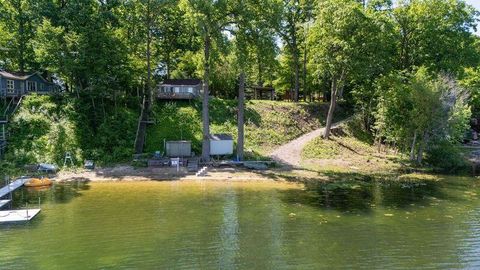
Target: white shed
[{"x": 221, "y": 144}]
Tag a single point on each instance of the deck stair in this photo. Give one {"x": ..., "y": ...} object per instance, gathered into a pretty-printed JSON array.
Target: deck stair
[
  {"x": 10, "y": 110},
  {"x": 3, "y": 135},
  {"x": 202, "y": 172}
]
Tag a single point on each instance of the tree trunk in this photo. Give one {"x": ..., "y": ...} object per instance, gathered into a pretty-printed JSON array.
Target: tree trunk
[
  {"x": 21, "y": 36},
  {"x": 297, "y": 72},
  {"x": 412, "y": 148},
  {"x": 260, "y": 70},
  {"x": 168, "y": 64},
  {"x": 333, "y": 102},
  {"x": 205, "y": 113},
  {"x": 305, "y": 88},
  {"x": 240, "y": 120},
  {"x": 422, "y": 148},
  {"x": 142, "y": 122}
]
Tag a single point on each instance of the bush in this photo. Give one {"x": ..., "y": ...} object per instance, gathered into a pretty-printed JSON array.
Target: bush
[
  {"x": 446, "y": 156},
  {"x": 45, "y": 127}
]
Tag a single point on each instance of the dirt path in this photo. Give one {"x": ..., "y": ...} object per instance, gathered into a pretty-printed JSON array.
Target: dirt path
[{"x": 291, "y": 153}]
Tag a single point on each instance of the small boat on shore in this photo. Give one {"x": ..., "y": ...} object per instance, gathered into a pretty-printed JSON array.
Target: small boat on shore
[{"x": 36, "y": 182}]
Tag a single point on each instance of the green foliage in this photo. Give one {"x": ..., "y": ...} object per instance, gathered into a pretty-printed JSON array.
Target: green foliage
[
  {"x": 471, "y": 81},
  {"x": 46, "y": 127},
  {"x": 435, "y": 34},
  {"x": 417, "y": 111},
  {"x": 446, "y": 156},
  {"x": 18, "y": 19},
  {"x": 41, "y": 133}
]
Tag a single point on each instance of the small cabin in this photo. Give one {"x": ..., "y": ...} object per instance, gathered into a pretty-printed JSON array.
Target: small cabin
[
  {"x": 179, "y": 89},
  {"x": 262, "y": 92},
  {"x": 221, "y": 144},
  {"x": 16, "y": 84}
]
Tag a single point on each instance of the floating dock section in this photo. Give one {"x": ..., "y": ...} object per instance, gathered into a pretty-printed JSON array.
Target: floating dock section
[{"x": 18, "y": 215}]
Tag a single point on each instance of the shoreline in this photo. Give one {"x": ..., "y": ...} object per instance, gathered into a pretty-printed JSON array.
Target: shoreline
[
  {"x": 131, "y": 174},
  {"x": 127, "y": 173}
]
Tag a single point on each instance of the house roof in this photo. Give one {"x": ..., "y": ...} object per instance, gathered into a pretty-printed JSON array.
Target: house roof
[
  {"x": 182, "y": 82},
  {"x": 262, "y": 88},
  {"x": 221, "y": 137},
  {"x": 19, "y": 75}
]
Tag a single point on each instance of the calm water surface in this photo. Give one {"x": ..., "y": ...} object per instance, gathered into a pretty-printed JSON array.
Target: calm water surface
[{"x": 198, "y": 225}]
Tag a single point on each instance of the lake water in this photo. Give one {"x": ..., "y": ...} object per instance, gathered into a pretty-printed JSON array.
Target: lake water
[{"x": 212, "y": 225}]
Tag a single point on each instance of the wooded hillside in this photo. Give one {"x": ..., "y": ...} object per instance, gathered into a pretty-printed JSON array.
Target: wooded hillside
[{"x": 392, "y": 62}]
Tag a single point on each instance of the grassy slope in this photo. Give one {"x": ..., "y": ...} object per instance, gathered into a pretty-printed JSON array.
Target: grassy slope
[
  {"x": 350, "y": 149},
  {"x": 268, "y": 124}
]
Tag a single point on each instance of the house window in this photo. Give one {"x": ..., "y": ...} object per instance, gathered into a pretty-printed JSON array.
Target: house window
[
  {"x": 190, "y": 90},
  {"x": 176, "y": 89},
  {"x": 31, "y": 86},
  {"x": 10, "y": 86}
]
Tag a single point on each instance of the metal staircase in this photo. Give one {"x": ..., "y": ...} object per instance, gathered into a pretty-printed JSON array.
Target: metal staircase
[{"x": 10, "y": 110}]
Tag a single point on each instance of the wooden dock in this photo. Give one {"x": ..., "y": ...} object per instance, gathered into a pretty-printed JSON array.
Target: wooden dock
[
  {"x": 13, "y": 186},
  {"x": 18, "y": 215}
]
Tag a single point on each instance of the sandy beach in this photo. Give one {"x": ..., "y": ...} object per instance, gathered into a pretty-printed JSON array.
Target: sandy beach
[{"x": 130, "y": 173}]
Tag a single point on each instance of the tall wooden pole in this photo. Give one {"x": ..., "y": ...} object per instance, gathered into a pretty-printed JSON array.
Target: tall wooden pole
[
  {"x": 240, "y": 120},
  {"x": 205, "y": 111}
]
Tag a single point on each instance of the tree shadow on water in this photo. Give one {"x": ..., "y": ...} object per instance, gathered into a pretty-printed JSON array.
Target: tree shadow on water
[
  {"x": 58, "y": 193},
  {"x": 355, "y": 192}
]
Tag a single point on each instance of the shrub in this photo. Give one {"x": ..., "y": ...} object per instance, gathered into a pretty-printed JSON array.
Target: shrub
[{"x": 446, "y": 156}]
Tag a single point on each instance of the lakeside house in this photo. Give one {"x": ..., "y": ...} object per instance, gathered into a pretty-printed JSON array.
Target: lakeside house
[
  {"x": 179, "y": 89},
  {"x": 17, "y": 84},
  {"x": 261, "y": 92}
]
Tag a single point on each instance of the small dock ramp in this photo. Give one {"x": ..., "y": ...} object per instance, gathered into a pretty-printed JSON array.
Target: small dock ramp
[
  {"x": 13, "y": 186},
  {"x": 18, "y": 215},
  {"x": 3, "y": 203}
]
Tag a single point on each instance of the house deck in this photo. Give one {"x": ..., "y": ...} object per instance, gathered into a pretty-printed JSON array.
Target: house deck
[{"x": 163, "y": 95}]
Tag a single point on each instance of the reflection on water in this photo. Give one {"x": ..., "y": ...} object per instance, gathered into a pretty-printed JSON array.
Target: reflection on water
[
  {"x": 354, "y": 196},
  {"x": 211, "y": 225}
]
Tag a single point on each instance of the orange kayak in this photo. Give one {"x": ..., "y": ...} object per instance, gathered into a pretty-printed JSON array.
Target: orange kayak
[{"x": 36, "y": 182}]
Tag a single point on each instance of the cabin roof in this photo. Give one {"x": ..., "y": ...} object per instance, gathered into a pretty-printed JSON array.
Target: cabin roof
[
  {"x": 21, "y": 76},
  {"x": 181, "y": 82},
  {"x": 262, "y": 88},
  {"x": 221, "y": 137}
]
